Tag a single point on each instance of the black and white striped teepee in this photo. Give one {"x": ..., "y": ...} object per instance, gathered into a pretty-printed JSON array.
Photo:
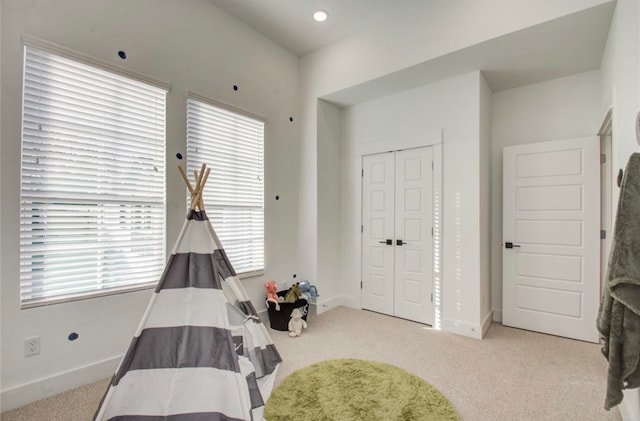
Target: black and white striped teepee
[{"x": 200, "y": 352}]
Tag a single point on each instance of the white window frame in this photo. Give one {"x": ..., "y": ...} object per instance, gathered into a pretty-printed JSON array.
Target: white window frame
[
  {"x": 216, "y": 189},
  {"x": 129, "y": 205}
]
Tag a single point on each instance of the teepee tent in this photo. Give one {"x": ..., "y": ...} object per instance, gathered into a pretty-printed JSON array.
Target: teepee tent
[{"x": 200, "y": 351}]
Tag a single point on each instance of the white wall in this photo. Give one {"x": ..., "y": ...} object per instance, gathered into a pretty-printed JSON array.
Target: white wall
[
  {"x": 620, "y": 79},
  {"x": 450, "y": 107},
  {"x": 329, "y": 187},
  {"x": 308, "y": 187},
  {"x": 557, "y": 109},
  {"x": 484, "y": 180},
  {"x": 193, "y": 46},
  {"x": 405, "y": 38},
  {"x": 621, "y": 89}
]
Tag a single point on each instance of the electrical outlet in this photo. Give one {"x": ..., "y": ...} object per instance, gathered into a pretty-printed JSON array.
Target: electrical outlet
[{"x": 31, "y": 346}]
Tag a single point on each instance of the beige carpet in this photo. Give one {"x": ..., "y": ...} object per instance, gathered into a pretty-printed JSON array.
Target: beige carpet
[{"x": 511, "y": 375}]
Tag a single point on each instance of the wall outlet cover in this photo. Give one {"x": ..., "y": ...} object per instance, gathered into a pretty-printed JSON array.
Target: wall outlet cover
[{"x": 31, "y": 346}]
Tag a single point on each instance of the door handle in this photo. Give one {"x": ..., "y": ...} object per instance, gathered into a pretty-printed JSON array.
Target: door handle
[
  {"x": 388, "y": 242},
  {"x": 400, "y": 242},
  {"x": 509, "y": 245}
]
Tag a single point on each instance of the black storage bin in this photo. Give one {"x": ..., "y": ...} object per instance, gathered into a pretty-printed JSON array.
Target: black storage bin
[{"x": 279, "y": 319}]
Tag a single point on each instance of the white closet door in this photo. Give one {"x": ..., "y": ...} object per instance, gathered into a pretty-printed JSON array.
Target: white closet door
[
  {"x": 414, "y": 242},
  {"x": 397, "y": 241},
  {"x": 378, "y": 232}
]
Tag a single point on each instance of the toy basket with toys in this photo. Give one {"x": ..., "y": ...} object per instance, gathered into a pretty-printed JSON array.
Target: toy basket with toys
[{"x": 279, "y": 319}]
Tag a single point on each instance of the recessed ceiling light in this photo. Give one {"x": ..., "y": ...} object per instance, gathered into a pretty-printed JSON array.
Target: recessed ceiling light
[{"x": 320, "y": 16}]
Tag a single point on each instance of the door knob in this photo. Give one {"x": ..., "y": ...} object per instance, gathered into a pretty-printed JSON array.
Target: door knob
[
  {"x": 509, "y": 245},
  {"x": 400, "y": 242},
  {"x": 388, "y": 242}
]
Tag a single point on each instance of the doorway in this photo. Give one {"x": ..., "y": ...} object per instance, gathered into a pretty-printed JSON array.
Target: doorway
[
  {"x": 551, "y": 251},
  {"x": 397, "y": 233},
  {"x": 606, "y": 206}
]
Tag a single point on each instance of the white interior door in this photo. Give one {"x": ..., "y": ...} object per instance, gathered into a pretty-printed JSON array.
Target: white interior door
[
  {"x": 378, "y": 232},
  {"x": 551, "y": 237},
  {"x": 397, "y": 242},
  {"x": 414, "y": 242}
]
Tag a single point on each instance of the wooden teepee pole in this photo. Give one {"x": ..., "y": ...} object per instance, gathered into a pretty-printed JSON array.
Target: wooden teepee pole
[
  {"x": 196, "y": 192},
  {"x": 185, "y": 178},
  {"x": 196, "y": 198}
]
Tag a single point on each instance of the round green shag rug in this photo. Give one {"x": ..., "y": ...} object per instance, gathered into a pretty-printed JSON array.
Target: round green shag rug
[{"x": 350, "y": 390}]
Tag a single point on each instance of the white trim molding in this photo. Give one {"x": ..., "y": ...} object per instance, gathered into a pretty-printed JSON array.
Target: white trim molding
[
  {"x": 461, "y": 328},
  {"x": 497, "y": 315},
  {"x": 433, "y": 137},
  {"x": 352, "y": 302},
  {"x": 91, "y": 61},
  {"x": 486, "y": 323},
  {"x": 24, "y": 394},
  {"x": 329, "y": 304}
]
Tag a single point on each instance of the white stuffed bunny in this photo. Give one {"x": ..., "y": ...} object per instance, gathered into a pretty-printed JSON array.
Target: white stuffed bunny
[{"x": 296, "y": 324}]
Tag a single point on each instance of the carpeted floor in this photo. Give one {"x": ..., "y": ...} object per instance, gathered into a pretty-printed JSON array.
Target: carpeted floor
[{"x": 510, "y": 375}]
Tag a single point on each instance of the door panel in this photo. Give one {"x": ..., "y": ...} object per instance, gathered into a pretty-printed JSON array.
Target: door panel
[
  {"x": 546, "y": 300},
  {"x": 551, "y": 212},
  {"x": 414, "y": 242},
  {"x": 562, "y": 233},
  {"x": 377, "y": 215},
  {"x": 546, "y": 198},
  {"x": 549, "y": 266}
]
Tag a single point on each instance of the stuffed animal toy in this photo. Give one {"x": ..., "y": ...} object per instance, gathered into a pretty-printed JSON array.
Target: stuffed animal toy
[
  {"x": 296, "y": 324},
  {"x": 293, "y": 294},
  {"x": 309, "y": 291},
  {"x": 272, "y": 296}
]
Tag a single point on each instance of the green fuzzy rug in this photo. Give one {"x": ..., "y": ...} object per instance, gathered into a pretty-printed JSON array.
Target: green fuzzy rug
[{"x": 353, "y": 390}]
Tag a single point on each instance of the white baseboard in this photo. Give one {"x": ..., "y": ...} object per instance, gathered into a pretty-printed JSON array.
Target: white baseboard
[
  {"x": 486, "y": 323},
  {"x": 324, "y": 305},
  {"x": 351, "y": 303},
  {"x": 24, "y": 394},
  {"x": 467, "y": 329},
  {"x": 497, "y": 315},
  {"x": 460, "y": 328}
]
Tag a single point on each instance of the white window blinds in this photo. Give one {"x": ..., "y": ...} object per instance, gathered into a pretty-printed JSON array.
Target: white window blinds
[
  {"x": 92, "y": 211},
  {"x": 232, "y": 145}
]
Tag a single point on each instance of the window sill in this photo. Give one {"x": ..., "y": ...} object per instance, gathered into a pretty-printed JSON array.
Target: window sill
[
  {"x": 99, "y": 294},
  {"x": 87, "y": 296},
  {"x": 252, "y": 274}
]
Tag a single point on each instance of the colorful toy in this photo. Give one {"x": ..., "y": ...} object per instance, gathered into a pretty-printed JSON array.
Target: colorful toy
[
  {"x": 293, "y": 294},
  {"x": 310, "y": 292},
  {"x": 272, "y": 296},
  {"x": 297, "y": 323}
]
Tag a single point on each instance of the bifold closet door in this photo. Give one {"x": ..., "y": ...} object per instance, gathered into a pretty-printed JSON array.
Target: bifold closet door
[
  {"x": 413, "y": 244},
  {"x": 378, "y": 185},
  {"x": 397, "y": 242}
]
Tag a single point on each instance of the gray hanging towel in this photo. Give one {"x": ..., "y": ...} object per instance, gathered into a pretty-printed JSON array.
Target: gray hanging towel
[{"x": 619, "y": 314}]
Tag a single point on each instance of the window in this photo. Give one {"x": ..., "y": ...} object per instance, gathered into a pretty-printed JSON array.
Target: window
[
  {"x": 92, "y": 205},
  {"x": 231, "y": 143}
]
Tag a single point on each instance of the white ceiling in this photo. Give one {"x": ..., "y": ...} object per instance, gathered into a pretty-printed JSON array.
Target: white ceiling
[
  {"x": 290, "y": 22},
  {"x": 561, "y": 47}
]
